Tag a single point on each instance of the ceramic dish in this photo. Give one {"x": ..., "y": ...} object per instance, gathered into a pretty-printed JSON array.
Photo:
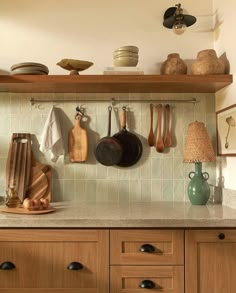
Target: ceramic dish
[
  {"x": 128, "y": 48},
  {"x": 31, "y": 68},
  {"x": 29, "y": 65},
  {"x": 27, "y": 71}
]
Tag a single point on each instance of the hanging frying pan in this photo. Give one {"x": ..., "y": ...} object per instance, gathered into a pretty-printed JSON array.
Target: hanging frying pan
[
  {"x": 108, "y": 150},
  {"x": 132, "y": 146}
]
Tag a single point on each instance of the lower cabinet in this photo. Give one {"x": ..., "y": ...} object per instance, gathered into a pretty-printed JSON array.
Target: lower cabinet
[
  {"x": 72, "y": 261},
  {"x": 117, "y": 260},
  {"x": 135, "y": 279},
  {"x": 210, "y": 262},
  {"x": 144, "y": 260}
]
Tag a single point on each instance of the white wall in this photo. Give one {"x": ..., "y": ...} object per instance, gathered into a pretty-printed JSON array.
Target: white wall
[
  {"x": 224, "y": 41},
  {"x": 48, "y": 30}
]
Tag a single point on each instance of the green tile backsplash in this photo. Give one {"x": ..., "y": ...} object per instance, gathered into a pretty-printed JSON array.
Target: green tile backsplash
[{"x": 157, "y": 176}]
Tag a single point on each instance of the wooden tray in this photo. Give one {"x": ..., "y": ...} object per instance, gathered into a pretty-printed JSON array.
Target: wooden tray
[{"x": 27, "y": 212}]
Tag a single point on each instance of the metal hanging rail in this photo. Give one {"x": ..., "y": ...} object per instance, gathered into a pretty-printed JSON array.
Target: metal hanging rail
[{"x": 112, "y": 100}]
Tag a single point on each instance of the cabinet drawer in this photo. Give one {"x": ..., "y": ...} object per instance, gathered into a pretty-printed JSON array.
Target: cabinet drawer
[
  {"x": 128, "y": 279},
  {"x": 147, "y": 247},
  {"x": 41, "y": 259}
]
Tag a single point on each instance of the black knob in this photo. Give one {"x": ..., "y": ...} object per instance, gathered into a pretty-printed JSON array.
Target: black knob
[
  {"x": 147, "y": 284},
  {"x": 221, "y": 236},
  {"x": 7, "y": 265},
  {"x": 147, "y": 248},
  {"x": 75, "y": 266}
]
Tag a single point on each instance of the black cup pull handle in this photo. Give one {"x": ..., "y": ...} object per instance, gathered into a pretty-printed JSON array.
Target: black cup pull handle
[
  {"x": 221, "y": 236},
  {"x": 147, "y": 248},
  {"x": 147, "y": 284},
  {"x": 7, "y": 265},
  {"x": 75, "y": 266}
]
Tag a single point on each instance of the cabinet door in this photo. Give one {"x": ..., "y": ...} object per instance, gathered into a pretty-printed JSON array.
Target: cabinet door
[
  {"x": 42, "y": 257},
  {"x": 138, "y": 279},
  {"x": 147, "y": 247},
  {"x": 210, "y": 261}
]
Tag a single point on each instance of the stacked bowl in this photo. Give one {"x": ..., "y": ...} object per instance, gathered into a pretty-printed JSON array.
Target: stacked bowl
[
  {"x": 29, "y": 68},
  {"x": 125, "y": 56}
]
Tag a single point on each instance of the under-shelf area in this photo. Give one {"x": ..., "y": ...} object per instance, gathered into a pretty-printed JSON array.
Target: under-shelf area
[{"x": 114, "y": 83}]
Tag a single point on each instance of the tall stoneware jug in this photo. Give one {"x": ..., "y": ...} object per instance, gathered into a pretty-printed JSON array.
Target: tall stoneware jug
[
  {"x": 207, "y": 62},
  {"x": 173, "y": 65}
]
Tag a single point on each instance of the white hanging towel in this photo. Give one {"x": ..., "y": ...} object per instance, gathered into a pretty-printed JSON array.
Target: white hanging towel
[{"x": 51, "y": 139}]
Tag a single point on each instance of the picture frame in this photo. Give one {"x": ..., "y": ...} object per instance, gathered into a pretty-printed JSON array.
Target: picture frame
[{"x": 226, "y": 131}]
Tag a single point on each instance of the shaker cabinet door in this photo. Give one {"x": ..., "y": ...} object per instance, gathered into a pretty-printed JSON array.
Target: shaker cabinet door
[
  {"x": 54, "y": 261},
  {"x": 210, "y": 261}
]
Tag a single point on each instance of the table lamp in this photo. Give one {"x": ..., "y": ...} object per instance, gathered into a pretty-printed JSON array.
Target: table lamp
[{"x": 198, "y": 148}]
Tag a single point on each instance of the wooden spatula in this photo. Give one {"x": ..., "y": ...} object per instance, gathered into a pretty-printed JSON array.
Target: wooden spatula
[
  {"x": 151, "y": 138},
  {"x": 167, "y": 139},
  {"x": 78, "y": 142},
  {"x": 159, "y": 144}
]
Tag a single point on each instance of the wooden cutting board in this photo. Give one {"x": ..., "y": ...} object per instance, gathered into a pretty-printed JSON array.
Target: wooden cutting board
[
  {"x": 19, "y": 163},
  {"x": 40, "y": 182},
  {"x": 21, "y": 210},
  {"x": 78, "y": 142}
]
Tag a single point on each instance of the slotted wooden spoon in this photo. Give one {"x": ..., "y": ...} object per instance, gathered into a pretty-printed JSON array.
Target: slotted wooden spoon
[
  {"x": 151, "y": 138},
  {"x": 159, "y": 144}
]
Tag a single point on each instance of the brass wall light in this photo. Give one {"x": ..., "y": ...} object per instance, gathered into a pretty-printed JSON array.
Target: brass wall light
[{"x": 176, "y": 20}]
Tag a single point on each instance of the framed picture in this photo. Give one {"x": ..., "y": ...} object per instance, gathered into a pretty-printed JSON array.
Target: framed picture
[{"x": 226, "y": 131}]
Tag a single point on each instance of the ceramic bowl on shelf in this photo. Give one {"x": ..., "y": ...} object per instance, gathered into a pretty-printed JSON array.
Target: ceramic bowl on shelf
[
  {"x": 29, "y": 68},
  {"x": 74, "y": 66},
  {"x": 126, "y": 56},
  {"x": 125, "y": 61},
  {"x": 133, "y": 49}
]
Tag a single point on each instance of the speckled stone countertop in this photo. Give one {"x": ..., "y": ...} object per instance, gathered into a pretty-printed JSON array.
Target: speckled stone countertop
[{"x": 125, "y": 215}]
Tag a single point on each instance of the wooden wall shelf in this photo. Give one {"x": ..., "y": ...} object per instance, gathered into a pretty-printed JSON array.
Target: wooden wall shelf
[{"x": 114, "y": 83}]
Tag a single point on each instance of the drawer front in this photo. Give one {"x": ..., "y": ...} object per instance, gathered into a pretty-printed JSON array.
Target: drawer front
[
  {"x": 42, "y": 261},
  {"x": 129, "y": 279},
  {"x": 147, "y": 247}
]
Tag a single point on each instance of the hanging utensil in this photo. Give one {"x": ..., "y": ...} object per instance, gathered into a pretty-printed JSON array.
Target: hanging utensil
[
  {"x": 167, "y": 140},
  {"x": 108, "y": 150},
  {"x": 132, "y": 146},
  {"x": 78, "y": 140},
  {"x": 151, "y": 138},
  {"x": 159, "y": 144}
]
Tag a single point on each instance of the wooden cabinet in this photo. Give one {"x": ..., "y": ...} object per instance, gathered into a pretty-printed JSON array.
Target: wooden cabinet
[
  {"x": 147, "y": 259},
  {"x": 117, "y": 260},
  {"x": 54, "y": 261},
  {"x": 210, "y": 261}
]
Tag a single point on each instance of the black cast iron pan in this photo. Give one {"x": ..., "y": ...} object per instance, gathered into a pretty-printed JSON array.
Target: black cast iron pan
[
  {"x": 132, "y": 146},
  {"x": 108, "y": 150}
]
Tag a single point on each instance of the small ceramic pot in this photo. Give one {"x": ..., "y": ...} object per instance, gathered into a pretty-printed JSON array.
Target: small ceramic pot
[
  {"x": 207, "y": 62},
  {"x": 173, "y": 65}
]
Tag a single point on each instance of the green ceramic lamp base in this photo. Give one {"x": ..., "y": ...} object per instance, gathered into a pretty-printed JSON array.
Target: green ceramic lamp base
[{"x": 198, "y": 188}]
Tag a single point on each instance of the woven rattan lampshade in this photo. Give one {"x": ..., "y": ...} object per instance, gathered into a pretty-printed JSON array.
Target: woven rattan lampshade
[{"x": 198, "y": 147}]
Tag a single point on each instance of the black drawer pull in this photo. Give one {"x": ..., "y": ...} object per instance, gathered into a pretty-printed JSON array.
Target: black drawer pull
[
  {"x": 147, "y": 248},
  {"x": 221, "y": 236},
  {"x": 75, "y": 266},
  {"x": 7, "y": 265},
  {"x": 147, "y": 284}
]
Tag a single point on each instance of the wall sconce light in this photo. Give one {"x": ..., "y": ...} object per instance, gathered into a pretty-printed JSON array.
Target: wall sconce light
[{"x": 175, "y": 19}]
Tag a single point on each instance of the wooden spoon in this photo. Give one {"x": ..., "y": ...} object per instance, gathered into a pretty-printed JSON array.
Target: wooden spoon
[
  {"x": 159, "y": 144},
  {"x": 167, "y": 139},
  {"x": 151, "y": 138}
]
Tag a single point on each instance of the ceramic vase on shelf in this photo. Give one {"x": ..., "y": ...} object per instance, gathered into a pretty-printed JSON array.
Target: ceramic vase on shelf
[
  {"x": 173, "y": 65},
  {"x": 207, "y": 62}
]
